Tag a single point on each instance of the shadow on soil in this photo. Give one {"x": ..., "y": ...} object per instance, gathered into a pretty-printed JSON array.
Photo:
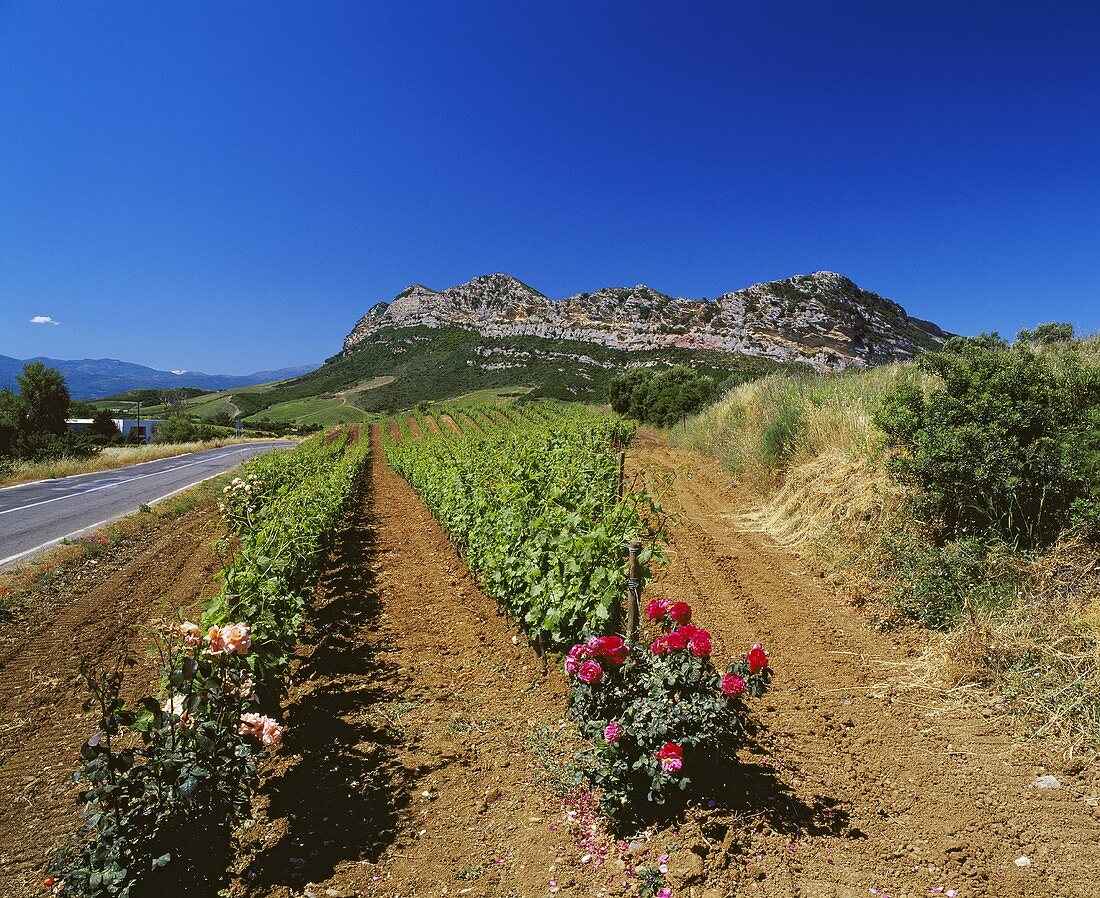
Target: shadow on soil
[
  {"x": 339, "y": 789},
  {"x": 755, "y": 791}
]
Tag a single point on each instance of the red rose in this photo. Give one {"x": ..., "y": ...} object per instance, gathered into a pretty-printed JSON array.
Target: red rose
[
  {"x": 700, "y": 643},
  {"x": 732, "y": 685},
  {"x": 656, "y": 609},
  {"x": 680, "y": 612},
  {"x": 757, "y": 658},
  {"x": 678, "y": 639},
  {"x": 590, "y": 672},
  {"x": 671, "y": 757},
  {"x": 660, "y": 646}
]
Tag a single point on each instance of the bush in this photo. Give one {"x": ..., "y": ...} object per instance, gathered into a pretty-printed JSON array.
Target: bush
[
  {"x": 779, "y": 438},
  {"x": 661, "y": 397},
  {"x": 657, "y": 715},
  {"x": 1007, "y": 446},
  {"x": 183, "y": 429}
]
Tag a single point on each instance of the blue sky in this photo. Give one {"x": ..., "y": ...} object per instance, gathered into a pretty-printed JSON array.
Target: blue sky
[{"x": 228, "y": 186}]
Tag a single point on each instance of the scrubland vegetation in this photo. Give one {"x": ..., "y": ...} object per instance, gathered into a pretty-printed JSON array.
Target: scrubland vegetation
[{"x": 961, "y": 491}]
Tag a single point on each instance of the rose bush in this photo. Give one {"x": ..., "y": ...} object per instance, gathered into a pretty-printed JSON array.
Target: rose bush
[
  {"x": 657, "y": 713},
  {"x": 158, "y": 774}
]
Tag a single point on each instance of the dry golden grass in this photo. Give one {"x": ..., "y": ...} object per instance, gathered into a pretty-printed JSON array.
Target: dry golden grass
[
  {"x": 766, "y": 427},
  {"x": 808, "y": 452},
  {"x": 110, "y": 458}
]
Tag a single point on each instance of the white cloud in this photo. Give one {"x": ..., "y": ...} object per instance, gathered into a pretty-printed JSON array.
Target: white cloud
[{"x": 43, "y": 319}]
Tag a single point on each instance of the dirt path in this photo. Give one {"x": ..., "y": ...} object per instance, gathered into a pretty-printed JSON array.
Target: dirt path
[
  {"x": 406, "y": 770},
  {"x": 936, "y": 794},
  {"x": 98, "y": 607},
  {"x": 451, "y": 424}
]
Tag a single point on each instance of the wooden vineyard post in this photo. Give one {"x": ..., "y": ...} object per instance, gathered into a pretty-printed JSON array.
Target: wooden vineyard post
[{"x": 633, "y": 590}]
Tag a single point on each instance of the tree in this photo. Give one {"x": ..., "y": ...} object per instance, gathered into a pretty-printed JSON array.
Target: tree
[
  {"x": 1047, "y": 334},
  {"x": 45, "y": 399},
  {"x": 182, "y": 429},
  {"x": 104, "y": 429},
  {"x": 661, "y": 397},
  {"x": 11, "y": 422},
  {"x": 172, "y": 400}
]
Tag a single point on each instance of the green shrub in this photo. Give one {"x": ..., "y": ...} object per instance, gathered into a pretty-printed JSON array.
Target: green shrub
[
  {"x": 940, "y": 585},
  {"x": 661, "y": 397},
  {"x": 1007, "y": 445},
  {"x": 183, "y": 429},
  {"x": 779, "y": 438}
]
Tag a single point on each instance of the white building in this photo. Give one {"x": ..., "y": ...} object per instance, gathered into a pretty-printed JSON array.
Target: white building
[{"x": 142, "y": 427}]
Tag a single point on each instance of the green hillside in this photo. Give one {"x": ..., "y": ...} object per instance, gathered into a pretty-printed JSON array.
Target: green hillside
[{"x": 396, "y": 368}]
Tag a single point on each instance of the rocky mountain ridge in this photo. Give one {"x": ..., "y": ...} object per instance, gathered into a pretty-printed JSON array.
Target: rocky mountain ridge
[{"x": 821, "y": 319}]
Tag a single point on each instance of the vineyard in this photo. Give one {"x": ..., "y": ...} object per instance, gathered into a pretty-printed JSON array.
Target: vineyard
[
  {"x": 428, "y": 666},
  {"x": 537, "y": 508}
]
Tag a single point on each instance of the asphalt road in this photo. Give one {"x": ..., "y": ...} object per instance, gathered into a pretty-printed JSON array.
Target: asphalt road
[{"x": 35, "y": 516}]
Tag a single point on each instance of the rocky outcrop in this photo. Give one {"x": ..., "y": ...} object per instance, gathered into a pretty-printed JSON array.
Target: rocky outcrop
[{"x": 821, "y": 319}]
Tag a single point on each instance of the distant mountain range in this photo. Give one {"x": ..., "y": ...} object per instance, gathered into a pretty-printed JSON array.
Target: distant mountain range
[{"x": 97, "y": 378}]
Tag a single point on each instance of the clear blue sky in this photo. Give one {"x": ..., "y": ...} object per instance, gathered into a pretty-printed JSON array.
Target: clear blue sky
[{"x": 228, "y": 186}]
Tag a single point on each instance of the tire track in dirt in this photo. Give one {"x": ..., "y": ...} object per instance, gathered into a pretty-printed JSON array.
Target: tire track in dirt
[
  {"x": 938, "y": 793},
  {"x": 105, "y": 606}
]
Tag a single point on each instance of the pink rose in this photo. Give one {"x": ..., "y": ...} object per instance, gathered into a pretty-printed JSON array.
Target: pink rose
[
  {"x": 732, "y": 685},
  {"x": 590, "y": 672},
  {"x": 267, "y": 730},
  {"x": 272, "y": 734},
  {"x": 671, "y": 757},
  {"x": 757, "y": 658},
  {"x": 216, "y": 639},
  {"x": 680, "y": 612},
  {"x": 612, "y": 732},
  {"x": 660, "y": 646},
  {"x": 237, "y": 640},
  {"x": 611, "y": 647},
  {"x": 190, "y": 633},
  {"x": 577, "y": 655}
]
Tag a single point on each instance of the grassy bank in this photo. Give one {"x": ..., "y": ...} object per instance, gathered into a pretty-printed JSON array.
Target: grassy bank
[
  {"x": 110, "y": 458},
  {"x": 1023, "y": 619}
]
